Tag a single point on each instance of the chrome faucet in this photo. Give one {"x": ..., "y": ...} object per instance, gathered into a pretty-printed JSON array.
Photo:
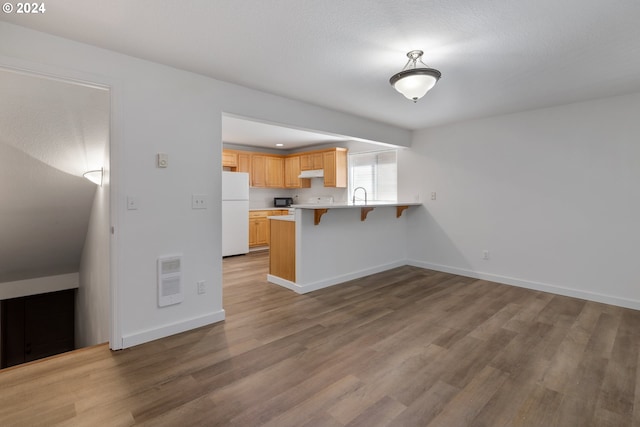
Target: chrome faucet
[{"x": 354, "y": 194}]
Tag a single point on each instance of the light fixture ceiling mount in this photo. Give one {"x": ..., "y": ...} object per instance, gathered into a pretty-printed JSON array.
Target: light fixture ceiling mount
[{"x": 415, "y": 81}]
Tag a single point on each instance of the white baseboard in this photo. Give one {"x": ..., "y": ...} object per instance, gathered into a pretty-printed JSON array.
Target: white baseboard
[
  {"x": 174, "y": 328},
  {"x": 336, "y": 280},
  {"x": 171, "y": 329},
  {"x": 528, "y": 284},
  {"x": 284, "y": 283}
]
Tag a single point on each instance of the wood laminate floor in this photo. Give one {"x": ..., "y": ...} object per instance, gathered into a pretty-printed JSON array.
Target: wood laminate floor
[{"x": 407, "y": 347}]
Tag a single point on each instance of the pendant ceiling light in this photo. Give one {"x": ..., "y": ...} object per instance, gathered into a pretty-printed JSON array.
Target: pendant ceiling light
[{"x": 414, "y": 81}]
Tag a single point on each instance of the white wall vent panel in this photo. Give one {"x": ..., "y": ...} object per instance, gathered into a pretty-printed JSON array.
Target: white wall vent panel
[{"x": 170, "y": 280}]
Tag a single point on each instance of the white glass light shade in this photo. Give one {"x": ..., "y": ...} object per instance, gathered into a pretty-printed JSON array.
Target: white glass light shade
[
  {"x": 94, "y": 176},
  {"x": 415, "y": 86},
  {"x": 413, "y": 81},
  {"x": 416, "y": 82}
]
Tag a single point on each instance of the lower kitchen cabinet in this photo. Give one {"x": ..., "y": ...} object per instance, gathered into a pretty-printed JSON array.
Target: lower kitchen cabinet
[
  {"x": 282, "y": 253},
  {"x": 36, "y": 326},
  {"x": 258, "y": 231},
  {"x": 259, "y": 226}
]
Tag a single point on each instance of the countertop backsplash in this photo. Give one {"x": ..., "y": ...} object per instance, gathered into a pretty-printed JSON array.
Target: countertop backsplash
[{"x": 263, "y": 197}]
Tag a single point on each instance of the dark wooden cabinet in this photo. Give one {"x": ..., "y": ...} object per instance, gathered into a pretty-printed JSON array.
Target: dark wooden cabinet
[{"x": 36, "y": 326}]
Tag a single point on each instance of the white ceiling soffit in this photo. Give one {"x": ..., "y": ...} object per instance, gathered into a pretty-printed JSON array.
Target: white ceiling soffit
[
  {"x": 241, "y": 131},
  {"x": 495, "y": 57}
]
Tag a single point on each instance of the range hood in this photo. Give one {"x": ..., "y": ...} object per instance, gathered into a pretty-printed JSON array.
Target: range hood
[{"x": 316, "y": 173}]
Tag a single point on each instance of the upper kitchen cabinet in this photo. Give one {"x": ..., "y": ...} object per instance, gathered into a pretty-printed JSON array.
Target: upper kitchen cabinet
[
  {"x": 229, "y": 159},
  {"x": 258, "y": 170},
  {"x": 278, "y": 171},
  {"x": 292, "y": 171},
  {"x": 275, "y": 172},
  {"x": 311, "y": 161},
  {"x": 236, "y": 161},
  {"x": 244, "y": 162},
  {"x": 267, "y": 171},
  {"x": 335, "y": 168}
]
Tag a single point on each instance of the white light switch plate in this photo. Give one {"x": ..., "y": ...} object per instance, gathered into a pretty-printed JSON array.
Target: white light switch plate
[
  {"x": 132, "y": 203},
  {"x": 198, "y": 201}
]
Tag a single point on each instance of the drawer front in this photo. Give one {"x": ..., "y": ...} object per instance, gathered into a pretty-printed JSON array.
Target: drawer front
[{"x": 258, "y": 214}]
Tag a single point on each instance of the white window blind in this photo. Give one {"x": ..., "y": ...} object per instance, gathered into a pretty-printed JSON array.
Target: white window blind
[{"x": 377, "y": 172}]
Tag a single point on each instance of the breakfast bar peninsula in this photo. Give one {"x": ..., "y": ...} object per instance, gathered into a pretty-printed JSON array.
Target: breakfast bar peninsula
[{"x": 321, "y": 245}]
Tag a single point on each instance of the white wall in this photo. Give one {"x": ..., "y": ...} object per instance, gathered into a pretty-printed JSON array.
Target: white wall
[
  {"x": 160, "y": 109},
  {"x": 93, "y": 303},
  {"x": 342, "y": 247},
  {"x": 553, "y": 194}
]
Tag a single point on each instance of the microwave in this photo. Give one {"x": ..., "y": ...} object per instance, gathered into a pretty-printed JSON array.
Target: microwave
[{"x": 282, "y": 202}]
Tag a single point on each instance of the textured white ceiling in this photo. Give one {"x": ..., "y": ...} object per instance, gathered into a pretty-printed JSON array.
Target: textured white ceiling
[
  {"x": 495, "y": 57},
  {"x": 61, "y": 124}
]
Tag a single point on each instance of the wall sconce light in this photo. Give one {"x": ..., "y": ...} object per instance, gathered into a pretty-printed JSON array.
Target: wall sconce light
[
  {"x": 94, "y": 176},
  {"x": 413, "y": 81}
]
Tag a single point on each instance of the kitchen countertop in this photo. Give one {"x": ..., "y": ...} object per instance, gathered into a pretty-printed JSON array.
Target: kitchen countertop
[
  {"x": 283, "y": 217},
  {"x": 351, "y": 205}
]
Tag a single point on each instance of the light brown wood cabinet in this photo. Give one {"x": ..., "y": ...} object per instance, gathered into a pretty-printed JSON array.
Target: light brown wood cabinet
[
  {"x": 274, "y": 172},
  {"x": 335, "y": 168},
  {"x": 305, "y": 162},
  {"x": 244, "y": 162},
  {"x": 258, "y": 170},
  {"x": 259, "y": 226},
  {"x": 317, "y": 162},
  {"x": 267, "y": 171},
  {"x": 282, "y": 253},
  {"x": 229, "y": 159},
  {"x": 236, "y": 161},
  {"x": 291, "y": 173},
  {"x": 311, "y": 161},
  {"x": 261, "y": 232}
]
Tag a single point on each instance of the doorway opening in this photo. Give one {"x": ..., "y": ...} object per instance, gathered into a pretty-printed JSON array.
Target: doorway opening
[{"x": 54, "y": 222}]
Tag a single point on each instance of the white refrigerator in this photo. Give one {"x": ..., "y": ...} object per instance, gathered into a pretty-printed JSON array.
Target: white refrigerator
[{"x": 235, "y": 213}]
